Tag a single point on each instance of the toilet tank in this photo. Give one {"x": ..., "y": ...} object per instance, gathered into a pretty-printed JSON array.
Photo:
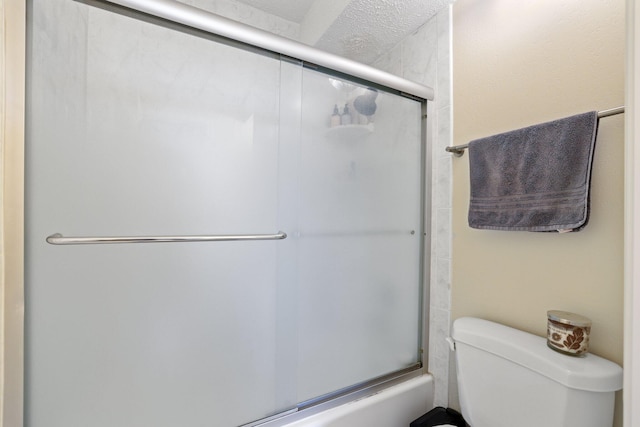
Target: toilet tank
[{"x": 508, "y": 377}]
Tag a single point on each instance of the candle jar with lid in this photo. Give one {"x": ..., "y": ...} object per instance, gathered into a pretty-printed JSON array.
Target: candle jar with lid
[{"x": 568, "y": 332}]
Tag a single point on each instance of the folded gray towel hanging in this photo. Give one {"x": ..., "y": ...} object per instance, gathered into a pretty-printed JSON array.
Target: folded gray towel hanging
[
  {"x": 534, "y": 179},
  {"x": 458, "y": 150}
]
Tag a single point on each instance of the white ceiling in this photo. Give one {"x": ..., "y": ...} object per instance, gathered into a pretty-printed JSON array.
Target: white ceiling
[
  {"x": 291, "y": 10},
  {"x": 358, "y": 29}
]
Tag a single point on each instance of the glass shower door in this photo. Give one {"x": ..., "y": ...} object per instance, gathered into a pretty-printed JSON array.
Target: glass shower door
[
  {"x": 360, "y": 234},
  {"x": 139, "y": 130}
]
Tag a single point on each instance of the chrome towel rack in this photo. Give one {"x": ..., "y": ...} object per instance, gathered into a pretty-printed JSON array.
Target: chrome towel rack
[
  {"x": 59, "y": 239},
  {"x": 458, "y": 150}
]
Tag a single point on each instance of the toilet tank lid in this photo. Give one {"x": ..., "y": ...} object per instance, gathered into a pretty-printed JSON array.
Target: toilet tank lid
[{"x": 590, "y": 373}]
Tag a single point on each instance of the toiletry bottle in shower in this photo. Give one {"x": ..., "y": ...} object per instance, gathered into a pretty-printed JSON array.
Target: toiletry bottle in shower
[
  {"x": 335, "y": 117},
  {"x": 345, "y": 119}
]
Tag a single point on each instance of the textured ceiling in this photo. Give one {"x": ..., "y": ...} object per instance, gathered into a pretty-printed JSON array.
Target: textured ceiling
[
  {"x": 366, "y": 29},
  {"x": 357, "y": 29}
]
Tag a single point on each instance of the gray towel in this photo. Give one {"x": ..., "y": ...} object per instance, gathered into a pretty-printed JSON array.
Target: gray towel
[{"x": 534, "y": 179}]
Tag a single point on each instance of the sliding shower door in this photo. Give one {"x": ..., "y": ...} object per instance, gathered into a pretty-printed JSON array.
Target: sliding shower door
[
  {"x": 360, "y": 235},
  {"x": 137, "y": 130}
]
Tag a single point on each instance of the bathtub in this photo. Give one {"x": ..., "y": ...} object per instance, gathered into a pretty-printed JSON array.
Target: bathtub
[{"x": 395, "y": 406}]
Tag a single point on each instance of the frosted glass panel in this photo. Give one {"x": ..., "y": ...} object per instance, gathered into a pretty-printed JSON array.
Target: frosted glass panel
[
  {"x": 360, "y": 235},
  {"x": 135, "y": 129}
]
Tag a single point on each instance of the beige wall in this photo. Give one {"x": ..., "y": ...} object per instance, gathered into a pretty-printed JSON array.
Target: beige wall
[
  {"x": 12, "y": 72},
  {"x": 517, "y": 64}
]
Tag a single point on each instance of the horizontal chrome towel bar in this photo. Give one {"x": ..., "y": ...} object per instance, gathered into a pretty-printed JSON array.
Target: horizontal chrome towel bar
[
  {"x": 59, "y": 239},
  {"x": 458, "y": 150}
]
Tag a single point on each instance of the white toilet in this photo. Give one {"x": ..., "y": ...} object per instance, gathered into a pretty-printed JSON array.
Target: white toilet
[{"x": 508, "y": 377}]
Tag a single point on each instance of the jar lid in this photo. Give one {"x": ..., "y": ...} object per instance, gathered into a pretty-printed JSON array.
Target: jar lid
[{"x": 568, "y": 318}]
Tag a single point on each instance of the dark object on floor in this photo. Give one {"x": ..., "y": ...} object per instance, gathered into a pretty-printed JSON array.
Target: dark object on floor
[{"x": 439, "y": 416}]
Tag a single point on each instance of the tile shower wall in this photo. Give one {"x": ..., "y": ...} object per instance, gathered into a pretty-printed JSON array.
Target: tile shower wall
[
  {"x": 248, "y": 15},
  {"x": 425, "y": 57}
]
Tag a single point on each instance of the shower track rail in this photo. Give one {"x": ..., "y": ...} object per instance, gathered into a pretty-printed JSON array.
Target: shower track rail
[
  {"x": 194, "y": 17},
  {"x": 59, "y": 239}
]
